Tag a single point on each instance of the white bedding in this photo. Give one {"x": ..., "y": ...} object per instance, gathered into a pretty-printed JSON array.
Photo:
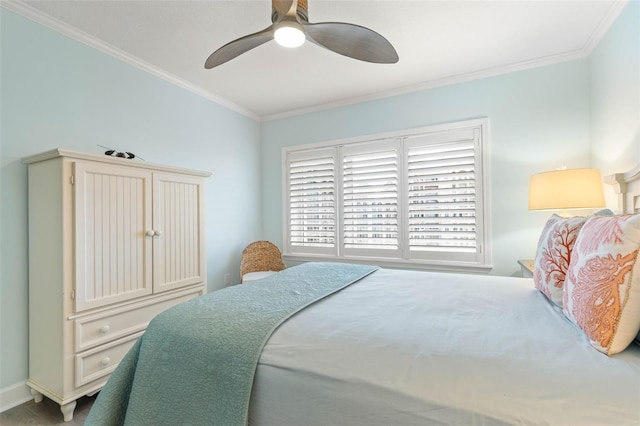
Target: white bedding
[{"x": 417, "y": 348}]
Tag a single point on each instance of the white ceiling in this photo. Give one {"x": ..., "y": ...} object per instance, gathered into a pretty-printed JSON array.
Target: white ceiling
[{"x": 439, "y": 42}]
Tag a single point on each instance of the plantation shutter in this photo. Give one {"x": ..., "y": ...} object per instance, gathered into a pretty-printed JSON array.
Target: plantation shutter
[
  {"x": 408, "y": 198},
  {"x": 443, "y": 209},
  {"x": 370, "y": 199},
  {"x": 311, "y": 206}
]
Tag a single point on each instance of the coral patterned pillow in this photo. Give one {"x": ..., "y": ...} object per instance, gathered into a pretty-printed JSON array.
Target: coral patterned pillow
[
  {"x": 602, "y": 289},
  {"x": 554, "y": 254}
]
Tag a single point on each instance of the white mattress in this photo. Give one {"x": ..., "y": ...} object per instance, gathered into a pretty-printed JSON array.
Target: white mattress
[{"x": 416, "y": 348}]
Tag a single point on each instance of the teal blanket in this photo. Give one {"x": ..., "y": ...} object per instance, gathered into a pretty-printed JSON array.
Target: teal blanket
[{"x": 196, "y": 362}]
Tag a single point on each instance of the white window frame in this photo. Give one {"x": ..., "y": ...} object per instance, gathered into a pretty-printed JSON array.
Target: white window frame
[{"x": 403, "y": 258}]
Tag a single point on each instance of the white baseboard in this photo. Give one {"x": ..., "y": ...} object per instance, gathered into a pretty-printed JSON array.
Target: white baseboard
[{"x": 14, "y": 395}]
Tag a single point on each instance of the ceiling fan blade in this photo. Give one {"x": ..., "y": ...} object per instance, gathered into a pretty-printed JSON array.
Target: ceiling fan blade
[
  {"x": 238, "y": 47},
  {"x": 352, "y": 40}
]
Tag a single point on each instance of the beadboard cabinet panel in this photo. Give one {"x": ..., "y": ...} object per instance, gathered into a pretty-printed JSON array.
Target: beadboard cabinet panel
[
  {"x": 113, "y": 253},
  {"x": 179, "y": 249}
]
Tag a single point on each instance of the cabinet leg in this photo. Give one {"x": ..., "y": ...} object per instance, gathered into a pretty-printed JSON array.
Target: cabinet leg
[
  {"x": 67, "y": 410},
  {"x": 37, "y": 396}
]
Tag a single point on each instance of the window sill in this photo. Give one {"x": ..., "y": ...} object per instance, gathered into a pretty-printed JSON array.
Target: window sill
[{"x": 465, "y": 268}]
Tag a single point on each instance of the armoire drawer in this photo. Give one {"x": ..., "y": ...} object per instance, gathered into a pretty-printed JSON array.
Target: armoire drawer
[
  {"x": 101, "y": 361},
  {"x": 110, "y": 325}
]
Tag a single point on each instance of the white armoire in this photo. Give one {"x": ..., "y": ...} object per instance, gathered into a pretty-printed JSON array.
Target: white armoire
[{"x": 112, "y": 243}]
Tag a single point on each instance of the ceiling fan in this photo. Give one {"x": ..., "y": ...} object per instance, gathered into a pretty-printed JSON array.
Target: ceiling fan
[{"x": 291, "y": 27}]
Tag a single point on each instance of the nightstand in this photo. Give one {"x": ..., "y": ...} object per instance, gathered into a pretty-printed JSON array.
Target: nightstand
[{"x": 526, "y": 267}]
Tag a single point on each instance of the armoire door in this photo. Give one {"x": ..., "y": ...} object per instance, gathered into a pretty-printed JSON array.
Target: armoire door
[
  {"x": 112, "y": 242},
  {"x": 178, "y": 246}
]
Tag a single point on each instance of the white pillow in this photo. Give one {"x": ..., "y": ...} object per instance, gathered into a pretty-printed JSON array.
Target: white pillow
[{"x": 254, "y": 276}]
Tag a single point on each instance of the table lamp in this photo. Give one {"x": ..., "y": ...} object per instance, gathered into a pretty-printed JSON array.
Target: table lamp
[{"x": 566, "y": 189}]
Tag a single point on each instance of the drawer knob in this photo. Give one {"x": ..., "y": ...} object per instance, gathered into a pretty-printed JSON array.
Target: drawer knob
[
  {"x": 105, "y": 329},
  {"x": 150, "y": 233},
  {"x": 157, "y": 233},
  {"x": 105, "y": 361}
]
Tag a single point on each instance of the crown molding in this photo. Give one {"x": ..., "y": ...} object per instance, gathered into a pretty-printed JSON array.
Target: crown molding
[
  {"x": 21, "y": 8},
  {"x": 614, "y": 11},
  {"x": 48, "y": 21},
  {"x": 612, "y": 14},
  {"x": 432, "y": 84}
]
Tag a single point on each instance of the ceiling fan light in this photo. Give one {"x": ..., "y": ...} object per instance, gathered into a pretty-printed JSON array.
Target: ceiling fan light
[{"x": 289, "y": 35}]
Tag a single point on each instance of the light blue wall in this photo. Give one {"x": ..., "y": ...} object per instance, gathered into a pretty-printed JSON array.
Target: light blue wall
[
  {"x": 539, "y": 120},
  {"x": 56, "y": 92},
  {"x": 614, "y": 71}
]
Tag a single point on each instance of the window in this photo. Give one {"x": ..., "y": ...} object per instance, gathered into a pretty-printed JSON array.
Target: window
[{"x": 415, "y": 198}]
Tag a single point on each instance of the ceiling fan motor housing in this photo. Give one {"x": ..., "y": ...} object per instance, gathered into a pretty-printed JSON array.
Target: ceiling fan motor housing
[{"x": 303, "y": 11}]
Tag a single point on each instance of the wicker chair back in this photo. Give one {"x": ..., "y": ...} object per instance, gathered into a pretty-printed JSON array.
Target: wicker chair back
[{"x": 261, "y": 256}]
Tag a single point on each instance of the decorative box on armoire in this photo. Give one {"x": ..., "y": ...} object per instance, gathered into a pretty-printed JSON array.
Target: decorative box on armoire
[{"x": 112, "y": 243}]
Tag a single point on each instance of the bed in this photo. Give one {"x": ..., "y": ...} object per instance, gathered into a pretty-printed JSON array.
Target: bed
[{"x": 380, "y": 347}]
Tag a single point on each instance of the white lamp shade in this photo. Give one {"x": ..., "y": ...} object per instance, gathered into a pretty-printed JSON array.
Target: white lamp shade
[{"x": 566, "y": 189}]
